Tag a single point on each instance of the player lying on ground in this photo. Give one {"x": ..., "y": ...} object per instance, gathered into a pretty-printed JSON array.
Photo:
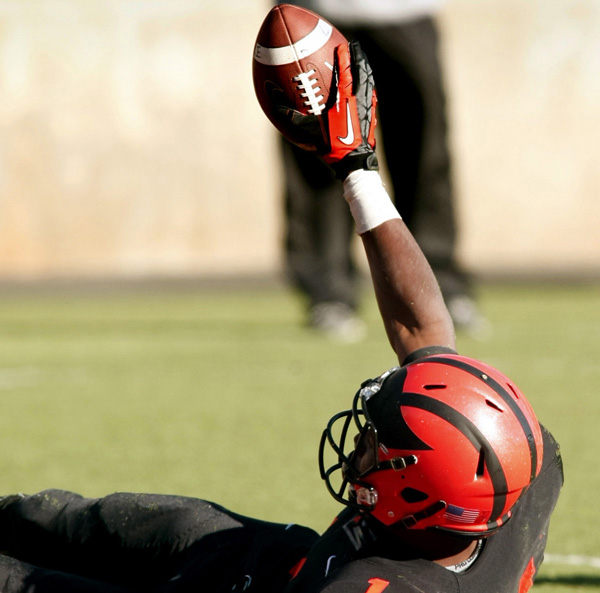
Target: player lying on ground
[{"x": 449, "y": 487}]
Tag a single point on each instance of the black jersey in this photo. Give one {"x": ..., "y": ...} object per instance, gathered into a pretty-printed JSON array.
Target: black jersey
[{"x": 57, "y": 541}]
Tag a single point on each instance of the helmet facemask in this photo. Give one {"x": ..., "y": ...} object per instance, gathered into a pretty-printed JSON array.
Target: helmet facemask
[{"x": 361, "y": 457}]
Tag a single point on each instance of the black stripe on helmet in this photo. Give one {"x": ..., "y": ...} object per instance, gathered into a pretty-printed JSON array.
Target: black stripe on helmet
[
  {"x": 504, "y": 394},
  {"x": 475, "y": 437}
]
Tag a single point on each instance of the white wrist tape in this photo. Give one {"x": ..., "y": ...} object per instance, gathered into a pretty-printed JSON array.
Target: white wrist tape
[{"x": 369, "y": 202}]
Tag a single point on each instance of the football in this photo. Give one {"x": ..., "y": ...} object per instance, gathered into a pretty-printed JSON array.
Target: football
[{"x": 293, "y": 63}]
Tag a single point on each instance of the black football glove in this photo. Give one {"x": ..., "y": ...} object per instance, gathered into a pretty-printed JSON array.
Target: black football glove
[{"x": 351, "y": 119}]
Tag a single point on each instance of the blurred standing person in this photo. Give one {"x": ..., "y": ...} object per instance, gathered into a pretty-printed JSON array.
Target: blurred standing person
[{"x": 401, "y": 39}]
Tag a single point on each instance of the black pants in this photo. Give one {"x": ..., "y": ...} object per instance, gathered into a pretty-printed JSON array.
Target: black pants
[
  {"x": 59, "y": 542},
  {"x": 413, "y": 127}
]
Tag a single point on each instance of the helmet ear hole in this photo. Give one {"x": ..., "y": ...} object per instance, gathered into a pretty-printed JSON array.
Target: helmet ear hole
[
  {"x": 479, "y": 472},
  {"x": 413, "y": 495}
]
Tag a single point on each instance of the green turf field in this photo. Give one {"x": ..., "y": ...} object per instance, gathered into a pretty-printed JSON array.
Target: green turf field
[{"x": 222, "y": 394}]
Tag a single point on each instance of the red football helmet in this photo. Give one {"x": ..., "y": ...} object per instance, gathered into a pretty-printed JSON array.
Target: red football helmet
[{"x": 445, "y": 442}]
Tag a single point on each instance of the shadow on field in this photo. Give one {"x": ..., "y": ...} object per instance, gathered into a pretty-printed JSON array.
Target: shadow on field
[{"x": 581, "y": 580}]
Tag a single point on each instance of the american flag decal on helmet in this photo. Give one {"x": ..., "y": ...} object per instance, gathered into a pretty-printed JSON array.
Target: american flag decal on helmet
[{"x": 456, "y": 513}]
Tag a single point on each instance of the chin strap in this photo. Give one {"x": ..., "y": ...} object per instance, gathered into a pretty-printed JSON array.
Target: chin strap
[
  {"x": 432, "y": 509},
  {"x": 397, "y": 463}
]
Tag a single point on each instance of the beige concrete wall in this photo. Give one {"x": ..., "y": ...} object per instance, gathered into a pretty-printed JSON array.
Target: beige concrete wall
[
  {"x": 131, "y": 142},
  {"x": 131, "y": 139},
  {"x": 525, "y": 83}
]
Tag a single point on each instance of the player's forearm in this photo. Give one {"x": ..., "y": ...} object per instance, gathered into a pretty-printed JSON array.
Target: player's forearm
[
  {"x": 410, "y": 301},
  {"x": 409, "y": 298}
]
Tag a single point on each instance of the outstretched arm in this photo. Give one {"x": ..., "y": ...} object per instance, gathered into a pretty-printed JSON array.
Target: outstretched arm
[
  {"x": 410, "y": 301},
  {"x": 409, "y": 298}
]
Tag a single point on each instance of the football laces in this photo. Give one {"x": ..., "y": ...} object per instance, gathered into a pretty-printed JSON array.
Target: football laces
[{"x": 310, "y": 92}]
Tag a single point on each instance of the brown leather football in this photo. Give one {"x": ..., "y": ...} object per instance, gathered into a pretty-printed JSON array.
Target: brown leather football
[{"x": 293, "y": 63}]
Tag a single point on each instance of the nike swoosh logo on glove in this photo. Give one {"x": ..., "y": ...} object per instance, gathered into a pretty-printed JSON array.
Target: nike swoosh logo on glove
[{"x": 349, "y": 139}]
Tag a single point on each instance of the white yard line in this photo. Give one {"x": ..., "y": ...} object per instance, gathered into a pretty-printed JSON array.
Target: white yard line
[
  {"x": 18, "y": 377},
  {"x": 573, "y": 560}
]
